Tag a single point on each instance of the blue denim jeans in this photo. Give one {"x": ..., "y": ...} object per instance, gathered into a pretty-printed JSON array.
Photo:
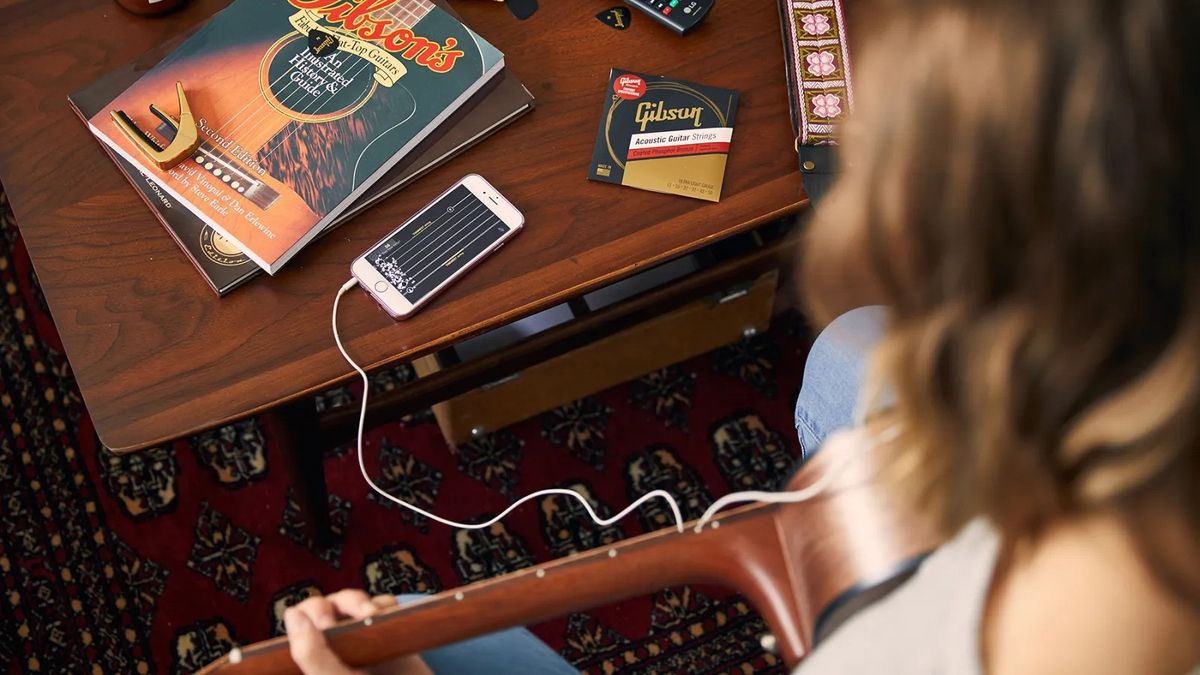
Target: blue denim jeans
[
  {"x": 833, "y": 377},
  {"x": 508, "y": 652},
  {"x": 828, "y": 400}
]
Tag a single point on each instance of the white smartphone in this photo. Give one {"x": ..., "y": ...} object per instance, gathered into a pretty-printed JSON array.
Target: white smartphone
[{"x": 436, "y": 246}]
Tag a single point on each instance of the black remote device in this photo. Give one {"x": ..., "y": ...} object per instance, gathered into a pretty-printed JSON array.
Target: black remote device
[{"x": 680, "y": 16}]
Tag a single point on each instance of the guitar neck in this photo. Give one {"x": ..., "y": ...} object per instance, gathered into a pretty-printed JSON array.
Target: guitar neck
[
  {"x": 793, "y": 562},
  {"x": 722, "y": 556},
  {"x": 408, "y": 12}
]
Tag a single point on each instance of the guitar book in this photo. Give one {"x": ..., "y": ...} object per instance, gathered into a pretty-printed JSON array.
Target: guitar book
[
  {"x": 220, "y": 262},
  {"x": 301, "y": 106}
]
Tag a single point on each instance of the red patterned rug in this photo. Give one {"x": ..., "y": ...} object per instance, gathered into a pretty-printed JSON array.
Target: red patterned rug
[{"x": 162, "y": 560}]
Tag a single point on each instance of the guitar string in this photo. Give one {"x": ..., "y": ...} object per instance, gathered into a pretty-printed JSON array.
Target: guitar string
[
  {"x": 587, "y": 505},
  {"x": 251, "y": 117},
  {"x": 477, "y": 221},
  {"x": 252, "y": 180},
  {"x": 432, "y": 227},
  {"x": 425, "y": 243},
  {"x": 215, "y": 158},
  {"x": 317, "y": 101},
  {"x": 295, "y": 124},
  {"x": 414, "y": 19},
  {"x": 284, "y": 103},
  {"x": 254, "y": 99},
  {"x": 264, "y": 103},
  {"x": 299, "y": 124},
  {"x": 432, "y": 240},
  {"x": 479, "y": 228},
  {"x": 478, "y": 231},
  {"x": 264, "y": 106},
  {"x": 264, "y": 111}
]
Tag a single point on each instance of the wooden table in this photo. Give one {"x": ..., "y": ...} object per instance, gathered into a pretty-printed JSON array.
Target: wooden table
[{"x": 158, "y": 356}]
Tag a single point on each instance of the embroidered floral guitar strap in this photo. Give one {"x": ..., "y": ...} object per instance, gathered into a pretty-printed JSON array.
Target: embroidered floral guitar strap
[{"x": 819, "y": 85}]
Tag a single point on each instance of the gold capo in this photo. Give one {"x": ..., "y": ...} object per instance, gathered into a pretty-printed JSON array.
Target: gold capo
[{"x": 186, "y": 139}]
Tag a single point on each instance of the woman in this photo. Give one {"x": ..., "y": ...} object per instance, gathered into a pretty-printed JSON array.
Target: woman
[{"x": 1021, "y": 181}]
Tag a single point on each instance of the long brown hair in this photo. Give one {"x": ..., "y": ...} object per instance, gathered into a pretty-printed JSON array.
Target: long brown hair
[{"x": 1022, "y": 192}]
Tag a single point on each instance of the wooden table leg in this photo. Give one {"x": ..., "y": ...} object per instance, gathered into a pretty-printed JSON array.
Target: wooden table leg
[{"x": 302, "y": 445}]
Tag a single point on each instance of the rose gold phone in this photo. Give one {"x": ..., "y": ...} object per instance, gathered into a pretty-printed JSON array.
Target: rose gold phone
[{"x": 438, "y": 245}]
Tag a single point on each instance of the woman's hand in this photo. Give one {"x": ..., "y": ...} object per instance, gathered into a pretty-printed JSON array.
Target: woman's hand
[{"x": 310, "y": 650}]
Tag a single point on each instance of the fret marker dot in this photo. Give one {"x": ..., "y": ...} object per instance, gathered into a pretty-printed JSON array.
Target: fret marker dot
[
  {"x": 769, "y": 643},
  {"x": 716, "y": 524},
  {"x": 241, "y": 189},
  {"x": 368, "y": 621},
  {"x": 458, "y": 595},
  {"x": 199, "y": 159},
  {"x": 209, "y": 166},
  {"x": 236, "y": 185},
  {"x": 216, "y": 172},
  {"x": 541, "y": 573},
  {"x": 235, "y": 655},
  {"x": 226, "y": 178},
  {"x": 612, "y": 552}
]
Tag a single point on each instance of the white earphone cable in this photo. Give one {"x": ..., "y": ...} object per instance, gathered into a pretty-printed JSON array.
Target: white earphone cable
[
  {"x": 794, "y": 497},
  {"x": 663, "y": 494},
  {"x": 885, "y": 434}
]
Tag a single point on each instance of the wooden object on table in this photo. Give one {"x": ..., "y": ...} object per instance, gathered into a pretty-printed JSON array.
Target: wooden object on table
[
  {"x": 793, "y": 562},
  {"x": 183, "y": 143},
  {"x": 158, "y": 357},
  {"x": 694, "y": 329}
]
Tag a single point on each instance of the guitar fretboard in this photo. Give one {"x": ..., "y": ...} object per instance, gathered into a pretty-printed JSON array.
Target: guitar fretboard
[{"x": 408, "y": 12}]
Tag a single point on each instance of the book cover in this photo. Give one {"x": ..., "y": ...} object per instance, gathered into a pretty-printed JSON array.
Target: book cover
[
  {"x": 664, "y": 135},
  {"x": 301, "y": 106},
  {"x": 220, "y": 262}
]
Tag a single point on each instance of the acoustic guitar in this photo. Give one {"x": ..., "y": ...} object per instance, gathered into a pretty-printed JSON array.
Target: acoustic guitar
[{"x": 805, "y": 567}]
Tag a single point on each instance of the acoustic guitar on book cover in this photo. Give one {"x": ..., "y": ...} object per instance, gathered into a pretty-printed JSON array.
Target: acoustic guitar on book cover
[{"x": 300, "y": 103}]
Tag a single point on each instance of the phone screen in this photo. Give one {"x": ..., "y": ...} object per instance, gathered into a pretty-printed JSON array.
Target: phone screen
[{"x": 436, "y": 243}]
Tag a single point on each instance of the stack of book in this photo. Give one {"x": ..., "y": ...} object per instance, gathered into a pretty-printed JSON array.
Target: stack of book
[{"x": 308, "y": 112}]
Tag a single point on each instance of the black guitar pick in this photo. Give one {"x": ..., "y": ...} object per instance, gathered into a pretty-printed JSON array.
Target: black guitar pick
[
  {"x": 617, "y": 17},
  {"x": 522, "y": 9},
  {"x": 321, "y": 44}
]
